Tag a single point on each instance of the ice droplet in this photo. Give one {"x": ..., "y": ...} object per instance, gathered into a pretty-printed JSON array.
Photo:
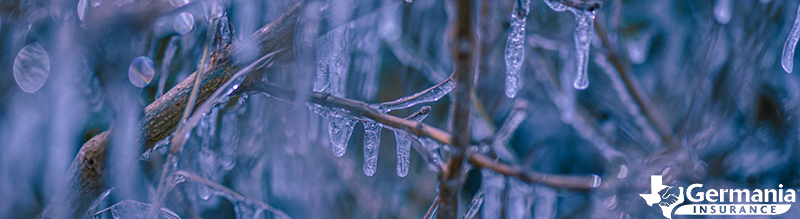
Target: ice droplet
[
  {"x": 183, "y": 23},
  {"x": 583, "y": 41},
  {"x": 31, "y": 67},
  {"x": 372, "y": 142},
  {"x": 787, "y": 59},
  {"x": 723, "y": 11},
  {"x": 404, "y": 143},
  {"x": 141, "y": 71},
  {"x": 515, "y": 48}
]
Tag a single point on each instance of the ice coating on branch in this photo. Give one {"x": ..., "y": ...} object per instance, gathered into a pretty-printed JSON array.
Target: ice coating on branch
[
  {"x": 404, "y": 142},
  {"x": 583, "y": 41},
  {"x": 372, "y": 142},
  {"x": 515, "y": 47},
  {"x": 555, "y": 6},
  {"x": 723, "y": 10},
  {"x": 787, "y": 59},
  {"x": 31, "y": 67},
  {"x": 431, "y": 94}
]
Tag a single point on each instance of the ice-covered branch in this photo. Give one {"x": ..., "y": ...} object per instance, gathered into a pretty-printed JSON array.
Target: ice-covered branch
[{"x": 361, "y": 109}]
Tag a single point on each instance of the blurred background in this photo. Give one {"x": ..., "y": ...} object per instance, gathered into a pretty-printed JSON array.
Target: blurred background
[{"x": 711, "y": 71}]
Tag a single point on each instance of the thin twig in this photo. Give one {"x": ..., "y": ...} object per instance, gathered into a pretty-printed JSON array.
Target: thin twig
[{"x": 433, "y": 206}]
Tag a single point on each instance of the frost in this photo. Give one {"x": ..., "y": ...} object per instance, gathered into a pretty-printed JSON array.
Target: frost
[
  {"x": 583, "y": 40},
  {"x": 787, "y": 59},
  {"x": 372, "y": 142},
  {"x": 431, "y": 94},
  {"x": 141, "y": 71},
  {"x": 515, "y": 47},
  {"x": 404, "y": 142},
  {"x": 723, "y": 10},
  {"x": 432, "y": 146},
  {"x": 31, "y": 67}
]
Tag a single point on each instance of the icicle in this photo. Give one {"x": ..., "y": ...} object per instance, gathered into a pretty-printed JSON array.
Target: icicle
[
  {"x": 340, "y": 127},
  {"x": 333, "y": 62},
  {"x": 372, "y": 142},
  {"x": 515, "y": 47},
  {"x": 519, "y": 200},
  {"x": 31, "y": 67},
  {"x": 431, "y": 94},
  {"x": 494, "y": 184},
  {"x": 787, "y": 59},
  {"x": 723, "y": 11},
  {"x": 583, "y": 41},
  {"x": 404, "y": 142}
]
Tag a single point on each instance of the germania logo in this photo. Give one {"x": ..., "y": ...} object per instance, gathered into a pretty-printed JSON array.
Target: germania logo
[{"x": 722, "y": 201}]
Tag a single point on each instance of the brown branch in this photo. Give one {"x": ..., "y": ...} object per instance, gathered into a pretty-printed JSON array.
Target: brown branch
[{"x": 463, "y": 46}]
